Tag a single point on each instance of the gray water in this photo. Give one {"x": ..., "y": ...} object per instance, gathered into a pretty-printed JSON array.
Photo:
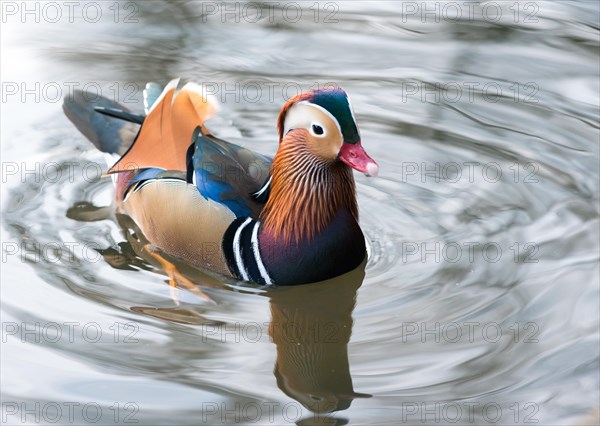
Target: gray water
[{"x": 479, "y": 303}]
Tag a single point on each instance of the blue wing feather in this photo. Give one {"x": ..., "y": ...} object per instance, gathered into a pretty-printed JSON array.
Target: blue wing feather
[{"x": 229, "y": 174}]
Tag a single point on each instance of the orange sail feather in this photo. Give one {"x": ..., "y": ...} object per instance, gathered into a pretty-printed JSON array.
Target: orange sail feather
[{"x": 167, "y": 131}]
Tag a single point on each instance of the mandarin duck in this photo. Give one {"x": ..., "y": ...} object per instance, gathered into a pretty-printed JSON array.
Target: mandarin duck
[{"x": 290, "y": 219}]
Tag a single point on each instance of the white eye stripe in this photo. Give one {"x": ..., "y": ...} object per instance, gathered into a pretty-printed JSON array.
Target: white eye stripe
[{"x": 300, "y": 117}]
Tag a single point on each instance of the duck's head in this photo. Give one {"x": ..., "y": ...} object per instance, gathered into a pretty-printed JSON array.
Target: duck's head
[
  {"x": 312, "y": 181},
  {"x": 323, "y": 121}
]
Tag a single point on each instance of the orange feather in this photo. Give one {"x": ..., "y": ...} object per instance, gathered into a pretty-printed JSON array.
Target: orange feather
[
  {"x": 167, "y": 131},
  {"x": 306, "y": 192}
]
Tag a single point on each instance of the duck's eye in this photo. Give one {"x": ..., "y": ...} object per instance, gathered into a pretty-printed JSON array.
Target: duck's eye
[{"x": 317, "y": 130}]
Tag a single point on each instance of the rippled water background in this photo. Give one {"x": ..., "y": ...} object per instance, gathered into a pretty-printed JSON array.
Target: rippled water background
[{"x": 480, "y": 301}]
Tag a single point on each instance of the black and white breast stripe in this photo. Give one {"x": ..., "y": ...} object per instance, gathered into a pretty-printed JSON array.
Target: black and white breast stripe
[{"x": 241, "y": 248}]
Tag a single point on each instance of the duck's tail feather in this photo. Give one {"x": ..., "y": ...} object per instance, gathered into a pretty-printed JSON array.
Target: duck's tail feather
[{"x": 107, "y": 134}]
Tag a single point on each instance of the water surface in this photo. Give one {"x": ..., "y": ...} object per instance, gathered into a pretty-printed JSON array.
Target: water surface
[{"x": 479, "y": 302}]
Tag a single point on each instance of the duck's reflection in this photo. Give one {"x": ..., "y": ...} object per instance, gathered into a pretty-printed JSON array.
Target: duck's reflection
[{"x": 311, "y": 326}]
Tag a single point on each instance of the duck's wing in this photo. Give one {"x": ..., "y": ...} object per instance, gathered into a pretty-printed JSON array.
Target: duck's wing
[{"x": 230, "y": 174}]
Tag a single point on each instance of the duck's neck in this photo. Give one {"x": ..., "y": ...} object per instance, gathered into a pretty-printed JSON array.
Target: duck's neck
[{"x": 306, "y": 193}]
